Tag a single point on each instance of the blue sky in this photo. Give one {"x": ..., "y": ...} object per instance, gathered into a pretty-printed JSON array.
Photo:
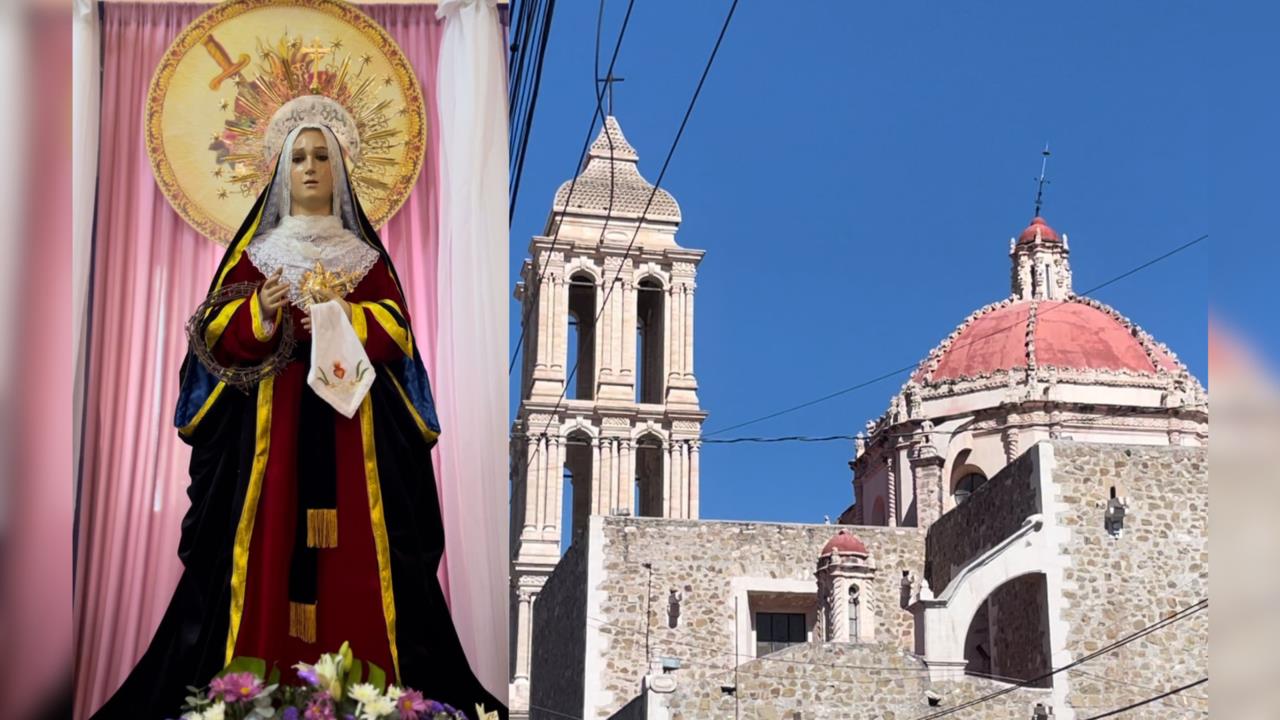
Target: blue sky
[{"x": 855, "y": 171}]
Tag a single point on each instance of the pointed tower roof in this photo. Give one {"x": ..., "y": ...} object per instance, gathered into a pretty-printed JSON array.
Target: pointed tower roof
[{"x": 612, "y": 161}]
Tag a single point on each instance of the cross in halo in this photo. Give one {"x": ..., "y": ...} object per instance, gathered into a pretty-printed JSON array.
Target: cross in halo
[{"x": 608, "y": 82}]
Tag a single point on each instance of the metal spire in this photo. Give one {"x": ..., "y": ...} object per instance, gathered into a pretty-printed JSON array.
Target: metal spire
[{"x": 1044, "y": 162}]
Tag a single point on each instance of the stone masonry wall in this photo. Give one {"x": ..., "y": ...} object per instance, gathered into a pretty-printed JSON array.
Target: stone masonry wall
[
  {"x": 702, "y": 559},
  {"x": 840, "y": 681},
  {"x": 559, "y": 632},
  {"x": 990, "y": 515},
  {"x": 1020, "y": 630},
  {"x": 1116, "y": 586}
]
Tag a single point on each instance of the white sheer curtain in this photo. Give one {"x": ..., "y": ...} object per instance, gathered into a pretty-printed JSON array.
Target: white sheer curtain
[
  {"x": 472, "y": 345},
  {"x": 84, "y": 176}
]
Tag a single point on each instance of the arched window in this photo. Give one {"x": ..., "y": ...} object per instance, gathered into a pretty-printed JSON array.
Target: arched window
[
  {"x": 649, "y": 460},
  {"x": 577, "y": 488},
  {"x": 581, "y": 343},
  {"x": 649, "y": 351},
  {"x": 967, "y": 485},
  {"x": 855, "y": 612}
]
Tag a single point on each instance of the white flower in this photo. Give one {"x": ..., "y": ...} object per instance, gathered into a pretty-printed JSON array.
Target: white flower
[
  {"x": 364, "y": 693},
  {"x": 394, "y": 692},
  {"x": 216, "y": 712},
  {"x": 378, "y": 708}
]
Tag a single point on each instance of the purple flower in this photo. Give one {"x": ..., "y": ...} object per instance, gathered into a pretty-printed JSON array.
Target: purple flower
[
  {"x": 235, "y": 687},
  {"x": 412, "y": 705},
  {"x": 290, "y": 713},
  {"x": 309, "y": 675},
  {"x": 320, "y": 708}
]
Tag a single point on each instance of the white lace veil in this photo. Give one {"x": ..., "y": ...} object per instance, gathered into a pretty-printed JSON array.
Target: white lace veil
[{"x": 279, "y": 200}]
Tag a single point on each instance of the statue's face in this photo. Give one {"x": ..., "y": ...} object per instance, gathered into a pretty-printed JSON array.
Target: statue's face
[{"x": 311, "y": 181}]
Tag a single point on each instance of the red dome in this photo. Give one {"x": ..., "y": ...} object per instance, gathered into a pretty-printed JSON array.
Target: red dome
[
  {"x": 845, "y": 542},
  {"x": 1046, "y": 232},
  {"x": 1073, "y": 335}
]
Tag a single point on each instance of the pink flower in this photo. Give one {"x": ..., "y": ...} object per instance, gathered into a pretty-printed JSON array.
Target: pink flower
[
  {"x": 410, "y": 704},
  {"x": 235, "y": 687},
  {"x": 320, "y": 708}
]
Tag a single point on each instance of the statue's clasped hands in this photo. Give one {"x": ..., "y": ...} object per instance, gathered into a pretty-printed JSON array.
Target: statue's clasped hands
[{"x": 275, "y": 292}]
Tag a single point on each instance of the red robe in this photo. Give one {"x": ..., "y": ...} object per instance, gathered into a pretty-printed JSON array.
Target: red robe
[{"x": 349, "y": 604}]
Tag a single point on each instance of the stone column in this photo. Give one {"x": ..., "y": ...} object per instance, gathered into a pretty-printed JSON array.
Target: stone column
[
  {"x": 688, "y": 332},
  {"x": 839, "y": 606},
  {"x": 625, "y": 490},
  {"x": 891, "y": 502},
  {"x": 595, "y": 461},
  {"x": 524, "y": 634},
  {"x": 560, "y": 325},
  {"x": 630, "y": 297},
  {"x": 926, "y": 471},
  {"x": 667, "y": 478},
  {"x": 695, "y": 450}
]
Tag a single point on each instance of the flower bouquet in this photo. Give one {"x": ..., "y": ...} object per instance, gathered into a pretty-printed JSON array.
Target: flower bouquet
[{"x": 337, "y": 687}]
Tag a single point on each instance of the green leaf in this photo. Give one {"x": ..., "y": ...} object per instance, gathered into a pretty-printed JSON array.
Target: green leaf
[
  {"x": 354, "y": 675},
  {"x": 275, "y": 676},
  {"x": 257, "y": 666},
  {"x": 377, "y": 677}
]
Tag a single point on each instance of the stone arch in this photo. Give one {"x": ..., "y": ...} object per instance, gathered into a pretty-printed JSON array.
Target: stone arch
[
  {"x": 576, "y": 265},
  {"x": 579, "y": 424},
  {"x": 651, "y": 472},
  {"x": 651, "y": 340},
  {"x": 965, "y": 478},
  {"x": 579, "y": 482},
  {"x": 1008, "y": 635},
  {"x": 651, "y": 270},
  {"x": 948, "y": 616},
  {"x": 580, "y": 340}
]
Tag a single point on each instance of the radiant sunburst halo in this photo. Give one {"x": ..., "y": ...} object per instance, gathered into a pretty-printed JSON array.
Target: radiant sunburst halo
[{"x": 228, "y": 76}]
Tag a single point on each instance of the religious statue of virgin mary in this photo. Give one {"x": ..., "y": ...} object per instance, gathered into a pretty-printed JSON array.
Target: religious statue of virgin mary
[{"x": 314, "y": 517}]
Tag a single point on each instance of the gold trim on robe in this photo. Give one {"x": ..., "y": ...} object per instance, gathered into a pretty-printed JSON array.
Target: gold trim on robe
[
  {"x": 259, "y": 329},
  {"x": 359, "y": 323},
  {"x": 220, "y": 322},
  {"x": 400, "y": 334},
  {"x": 186, "y": 430},
  {"x": 427, "y": 433},
  {"x": 381, "y": 540},
  {"x": 249, "y": 512}
]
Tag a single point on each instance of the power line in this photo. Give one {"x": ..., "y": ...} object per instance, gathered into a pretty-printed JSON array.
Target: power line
[
  {"x": 1149, "y": 700},
  {"x": 557, "y": 713},
  {"x": 523, "y": 106},
  {"x": 536, "y": 286},
  {"x": 1136, "y": 686},
  {"x": 1158, "y": 625},
  {"x": 604, "y": 303},
  {"x": 1068, "y": 425},
  {"x": 912, "y": 366}
]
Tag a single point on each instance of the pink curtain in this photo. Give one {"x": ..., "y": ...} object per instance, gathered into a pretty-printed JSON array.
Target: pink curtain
[{"x": 149, "y": 271}]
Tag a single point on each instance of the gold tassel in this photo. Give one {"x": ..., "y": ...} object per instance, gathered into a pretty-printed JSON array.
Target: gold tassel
[
  {"x": 322, "y": 528},
  {"x": 302, "y": 621}
]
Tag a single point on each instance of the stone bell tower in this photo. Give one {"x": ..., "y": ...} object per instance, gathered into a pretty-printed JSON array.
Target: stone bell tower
[{"x": 606, "y": 290}]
